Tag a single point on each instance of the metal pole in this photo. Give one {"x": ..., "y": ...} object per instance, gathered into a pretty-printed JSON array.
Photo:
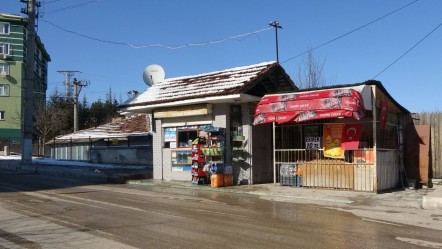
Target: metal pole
[
  {"x": 375, "y": 168},
  {"x": 76, "y": 105},
  {"x": 26, "y": 158},
  {"x": 276, "y": 25},
  {"x": 274, "y": 154},
  {"x": 277, "y": 52}
]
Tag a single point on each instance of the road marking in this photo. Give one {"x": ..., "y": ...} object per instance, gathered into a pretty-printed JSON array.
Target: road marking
[
  {"x": 382, "y": 222},
  {"x": 424, "y": 243}
]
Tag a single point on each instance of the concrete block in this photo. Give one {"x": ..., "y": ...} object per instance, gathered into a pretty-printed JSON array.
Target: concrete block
[
  {"x": 432, "y": 203},
  {"x": 433, "y": 200}
]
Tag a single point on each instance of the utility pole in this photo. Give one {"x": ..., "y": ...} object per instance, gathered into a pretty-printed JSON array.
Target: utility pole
[
  {"x": 276, "y": 25},
  {"x": 67, "y": 83},
  {"x": 78, "y": 85},
  {"x": 30, "y": 10}
]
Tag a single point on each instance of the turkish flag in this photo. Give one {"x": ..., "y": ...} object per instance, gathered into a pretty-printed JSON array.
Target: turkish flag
[{"x": 351, "y": 135}]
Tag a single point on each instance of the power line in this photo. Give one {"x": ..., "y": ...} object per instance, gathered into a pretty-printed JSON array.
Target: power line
[
  {"x": 415, "y": 45},
  {"x": 67, "y": 8},
  {"x": 160, "y": 45},
  {"x": 352, "y": 31}
]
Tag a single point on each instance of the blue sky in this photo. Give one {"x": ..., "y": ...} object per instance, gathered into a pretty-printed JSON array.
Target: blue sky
[{"x": 415, "y": 81}]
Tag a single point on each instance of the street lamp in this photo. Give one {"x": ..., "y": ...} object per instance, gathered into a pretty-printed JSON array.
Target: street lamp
[{"x": 276, "y": 25}]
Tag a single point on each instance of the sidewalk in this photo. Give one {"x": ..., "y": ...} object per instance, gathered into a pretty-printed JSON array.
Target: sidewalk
[
  {"x": 397, "y": 208},
  {"x": 425, "y": 198},
  {"x": 420, "y": 207}
]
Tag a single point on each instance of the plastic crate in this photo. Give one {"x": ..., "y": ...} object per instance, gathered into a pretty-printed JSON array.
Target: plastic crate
[{"x": 287, "y": 180}]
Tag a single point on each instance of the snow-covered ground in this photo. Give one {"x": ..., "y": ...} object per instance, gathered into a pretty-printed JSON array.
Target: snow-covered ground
[{"x": 49, "y": 161}]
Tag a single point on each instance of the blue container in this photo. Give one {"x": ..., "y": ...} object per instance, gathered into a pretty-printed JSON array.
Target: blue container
[
  {"x": 299, "y": 181},
  {"x": 216, "y": 169},
  {"x": 228, "y": 170}
]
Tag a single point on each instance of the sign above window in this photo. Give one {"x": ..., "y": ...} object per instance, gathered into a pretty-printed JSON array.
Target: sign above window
[{"x": 183, "y": 111}]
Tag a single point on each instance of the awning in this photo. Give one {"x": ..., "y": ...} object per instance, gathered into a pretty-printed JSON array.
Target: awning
[{"x": 299, "y": 107}]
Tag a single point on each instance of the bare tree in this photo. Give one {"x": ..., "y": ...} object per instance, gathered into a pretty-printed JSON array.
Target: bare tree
[
  {"x": 48, "y": 122},
  {"x": 310, "y": 74}
]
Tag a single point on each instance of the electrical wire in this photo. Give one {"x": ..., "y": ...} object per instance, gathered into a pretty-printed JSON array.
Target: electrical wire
[
  {"x": 409, "y": 50},
  {"x": 67, "y": 8},
  {"x": 352, "y": 31},
  {"x": 159, "y": 45}
]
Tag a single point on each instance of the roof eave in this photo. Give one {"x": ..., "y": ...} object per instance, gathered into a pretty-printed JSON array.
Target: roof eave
[{"x": 234, "y": 98}]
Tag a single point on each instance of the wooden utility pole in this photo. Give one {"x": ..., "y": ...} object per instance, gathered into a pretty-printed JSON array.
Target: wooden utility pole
[{"x": 30, "y": 10}]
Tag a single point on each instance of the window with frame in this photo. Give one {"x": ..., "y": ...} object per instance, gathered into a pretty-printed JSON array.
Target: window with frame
[
  {"x": 4, "y": 28},
  {"x": 4, "y": 69},
  {"x": 4, "y": 90},
  {"x": 185, "y": 138},
  {"x": 2, "y": 115},
  {"x": 4, "y": 48},
  {"x": 180, "y": 137}
]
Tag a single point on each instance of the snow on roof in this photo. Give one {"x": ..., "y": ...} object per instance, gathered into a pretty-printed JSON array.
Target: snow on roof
[
  {"x": 121, "y": 128},
  {"x": 229, "y": 81},
  {"x": 12, "y": 16}
]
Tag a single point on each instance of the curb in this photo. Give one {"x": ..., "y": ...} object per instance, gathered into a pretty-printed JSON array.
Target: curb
[
  {"x": 236, "y": 190},
  {"x": 90, "y": 173}
]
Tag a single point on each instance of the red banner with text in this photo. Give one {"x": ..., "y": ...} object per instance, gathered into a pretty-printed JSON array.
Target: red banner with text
[{"x": 299, "y": 107}]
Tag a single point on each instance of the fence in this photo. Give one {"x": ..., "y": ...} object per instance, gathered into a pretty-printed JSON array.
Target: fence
[
  {"x": 12, "y": 146},
  {"x": 120, "y": 150},
  {"x": 354, "y": 172},
  {"x": 434, "y": 119}
]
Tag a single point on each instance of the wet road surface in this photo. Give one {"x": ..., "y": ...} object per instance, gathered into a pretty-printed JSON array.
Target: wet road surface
[{"x": 48, "y": 212}]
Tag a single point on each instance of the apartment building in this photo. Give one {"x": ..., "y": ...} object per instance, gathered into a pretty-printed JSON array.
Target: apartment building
[{"x": 12, "y": 73}]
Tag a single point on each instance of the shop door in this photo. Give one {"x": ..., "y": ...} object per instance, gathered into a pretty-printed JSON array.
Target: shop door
[
  {"x": 262, "y": 151},
  {"x": 417, "y": 161}
]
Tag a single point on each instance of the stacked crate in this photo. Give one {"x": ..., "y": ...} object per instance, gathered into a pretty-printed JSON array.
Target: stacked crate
[{"x": 287, "y": 175}]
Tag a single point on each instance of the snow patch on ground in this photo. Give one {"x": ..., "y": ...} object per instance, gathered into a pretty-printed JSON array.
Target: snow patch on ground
[{"x": 49, "y": 161}]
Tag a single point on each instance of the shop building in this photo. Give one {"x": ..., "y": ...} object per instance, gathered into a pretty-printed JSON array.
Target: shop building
[
  {"x": 217, "y": 108},
  {"x": 347, "y": 137}
]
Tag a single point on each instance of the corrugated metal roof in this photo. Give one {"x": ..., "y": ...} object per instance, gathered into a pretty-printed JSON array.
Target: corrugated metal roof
[
  {"x": 230, "y": 81},
  {"x": 138, "y": 125}
]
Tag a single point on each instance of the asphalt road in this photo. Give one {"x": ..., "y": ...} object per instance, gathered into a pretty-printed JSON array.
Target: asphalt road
[{"x": 48, "y": 212}]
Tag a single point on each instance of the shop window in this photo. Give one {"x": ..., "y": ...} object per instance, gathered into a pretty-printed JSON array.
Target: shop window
[
  {"x": 288, "y": 136},
  {"x": 2, "y": 115},
  {"x": 186, "y": 137},
  {"x": 236, "y": 120},
  {"x": 180, "y": 137},
  {"x": 4, "y": 90}
]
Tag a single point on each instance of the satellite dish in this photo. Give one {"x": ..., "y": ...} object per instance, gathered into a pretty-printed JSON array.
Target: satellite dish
[{"x": 153, "y": 74}]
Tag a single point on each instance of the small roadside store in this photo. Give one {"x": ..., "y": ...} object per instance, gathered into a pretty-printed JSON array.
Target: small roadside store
[
  {"x": 347, "y": 137},
  {"x": 207, "y": 119}
]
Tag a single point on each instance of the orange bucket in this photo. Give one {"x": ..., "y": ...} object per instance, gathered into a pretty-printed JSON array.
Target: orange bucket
[
  {"x": 217, "y": 180},
  {"x": 228, "y": 180}
]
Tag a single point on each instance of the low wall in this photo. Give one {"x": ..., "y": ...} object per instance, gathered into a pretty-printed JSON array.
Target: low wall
[{"x": 118, "y": 155}]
